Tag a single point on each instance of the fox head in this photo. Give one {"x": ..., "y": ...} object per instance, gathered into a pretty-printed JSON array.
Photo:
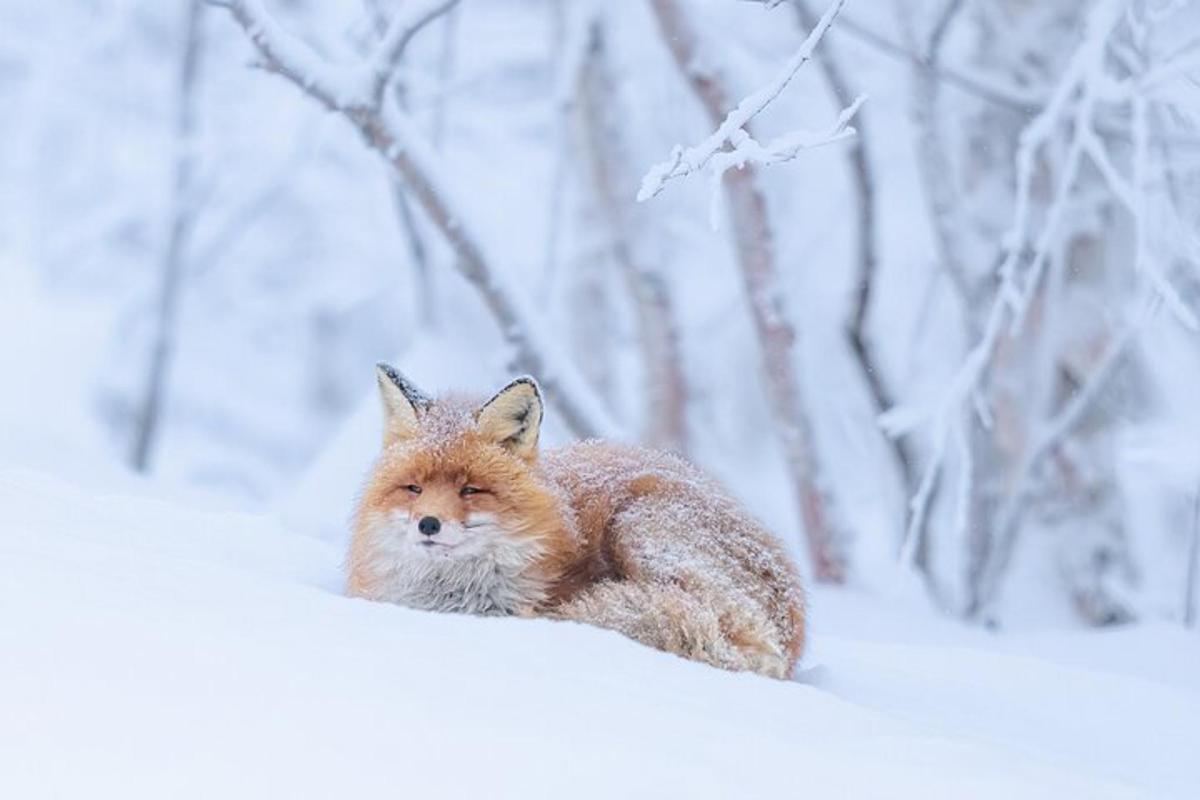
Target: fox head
[{"x": 457, "y": 483}]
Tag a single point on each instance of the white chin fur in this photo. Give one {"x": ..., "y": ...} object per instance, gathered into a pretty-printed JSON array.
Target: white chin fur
[{"x": 475, "y": 569}]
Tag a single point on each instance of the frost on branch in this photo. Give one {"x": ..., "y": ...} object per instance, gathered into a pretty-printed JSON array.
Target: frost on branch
[
  {"x": 731, "y": 144},
  {"x": 359, "y": 94},
  {"x": 1077, "y": 154}
]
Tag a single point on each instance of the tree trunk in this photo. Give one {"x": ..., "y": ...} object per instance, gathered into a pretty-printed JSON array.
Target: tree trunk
[
  {"x": 666, "y": 394},
  {"x": 866, "y": 201},
  {"x": 776, "y": 335},
  {"x": 148, "y": 422}
]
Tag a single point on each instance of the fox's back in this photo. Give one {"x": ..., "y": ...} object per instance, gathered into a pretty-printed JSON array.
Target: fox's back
[
  {"x": 678, "y": 524},
  {"x": 598, "y": 478}
]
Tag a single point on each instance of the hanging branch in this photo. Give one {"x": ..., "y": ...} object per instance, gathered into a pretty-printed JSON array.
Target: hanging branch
[
  {"x": 731, "y": 144},
  {"x": 358, "y": 94}
]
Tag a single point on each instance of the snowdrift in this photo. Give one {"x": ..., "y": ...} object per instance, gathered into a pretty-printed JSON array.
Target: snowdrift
[{"x": 152, "y": 650}]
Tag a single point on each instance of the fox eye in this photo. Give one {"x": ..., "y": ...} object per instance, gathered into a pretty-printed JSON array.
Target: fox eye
[
  {"x": 467, "y": 491},
  {"x": 413, "y": 488}
]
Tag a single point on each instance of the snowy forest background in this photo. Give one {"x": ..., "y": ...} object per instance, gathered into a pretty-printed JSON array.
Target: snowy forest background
[{"x": 952, "y": 356}]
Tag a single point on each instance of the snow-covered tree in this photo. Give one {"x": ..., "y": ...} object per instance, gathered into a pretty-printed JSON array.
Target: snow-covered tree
[{"x": 918, "y": 279}]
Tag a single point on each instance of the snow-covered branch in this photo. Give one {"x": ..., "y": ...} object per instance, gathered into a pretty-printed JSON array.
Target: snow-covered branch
[
  {"x": 1084, "y": 88},
  {"x": 340, "y": 87},
  {"x": 409, "y": 21},
  {"x": 1052, "y": 435},
  {"x": 731, "y": 144},
  {"x": 335, "y": 86},
  {"x": 355, "y": 93}
]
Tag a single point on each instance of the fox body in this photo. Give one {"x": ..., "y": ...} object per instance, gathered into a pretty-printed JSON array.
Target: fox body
[{"x": 462, "y": 513}]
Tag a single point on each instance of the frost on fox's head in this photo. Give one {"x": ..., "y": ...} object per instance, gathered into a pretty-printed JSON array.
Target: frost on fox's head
[
  {"x": 456, "y": 501},
  {"x": 512, "y": 419}
]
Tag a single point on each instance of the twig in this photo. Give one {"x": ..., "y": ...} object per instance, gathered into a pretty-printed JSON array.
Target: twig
[
  {"x": 730, "y": 145},
  {"x": 1009, "y": 97}
]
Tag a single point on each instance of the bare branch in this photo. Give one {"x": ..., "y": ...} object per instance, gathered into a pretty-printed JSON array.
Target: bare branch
[{"x": 390, "y": 132}]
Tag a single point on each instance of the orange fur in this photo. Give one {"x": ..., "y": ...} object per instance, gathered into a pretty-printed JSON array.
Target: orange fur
[{"x": 625, "y": 538}]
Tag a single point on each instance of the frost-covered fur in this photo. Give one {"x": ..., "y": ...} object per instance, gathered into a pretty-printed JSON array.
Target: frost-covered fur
[
  {"x": 497, "y": 580},
  {"x": 621, "y": 537}
]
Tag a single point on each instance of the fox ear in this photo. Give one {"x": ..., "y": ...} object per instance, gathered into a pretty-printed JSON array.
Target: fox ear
[
  {"x": 402, "y": 403},
  {"x": 513, "y": 417}
]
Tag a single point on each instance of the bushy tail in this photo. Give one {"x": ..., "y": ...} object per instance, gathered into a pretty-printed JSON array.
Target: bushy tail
[{"x": 693, "y": 625}]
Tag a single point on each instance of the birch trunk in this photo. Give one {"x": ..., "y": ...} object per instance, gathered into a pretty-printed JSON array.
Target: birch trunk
[{"x": 755, "y": 247}]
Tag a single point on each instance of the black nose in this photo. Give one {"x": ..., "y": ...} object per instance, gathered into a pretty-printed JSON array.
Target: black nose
[{"x": 429, "y": 525}]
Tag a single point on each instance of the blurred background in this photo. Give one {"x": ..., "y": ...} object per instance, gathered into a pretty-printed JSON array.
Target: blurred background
[{"x": 952, "y": 358}]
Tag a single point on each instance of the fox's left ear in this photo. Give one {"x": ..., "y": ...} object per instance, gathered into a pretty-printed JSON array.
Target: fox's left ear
[
  {"x": 402, "y": 403},
  {"x": 513, "y": 417}
]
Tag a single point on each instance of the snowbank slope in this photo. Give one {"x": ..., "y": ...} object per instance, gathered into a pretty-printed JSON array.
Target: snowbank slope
[{"x": 148, "y": 650}]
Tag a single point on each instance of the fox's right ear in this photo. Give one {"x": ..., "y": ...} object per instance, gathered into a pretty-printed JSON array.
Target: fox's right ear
[{"x": 402, "y": 404}]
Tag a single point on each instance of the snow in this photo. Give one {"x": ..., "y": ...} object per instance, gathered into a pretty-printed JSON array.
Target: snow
[
  {"x": 154, "y": 650},
  {"x": 158, "y": 640}
]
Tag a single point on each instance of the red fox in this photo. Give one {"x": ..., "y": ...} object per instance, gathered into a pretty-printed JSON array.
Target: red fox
[{"x": 462, "y": 513}]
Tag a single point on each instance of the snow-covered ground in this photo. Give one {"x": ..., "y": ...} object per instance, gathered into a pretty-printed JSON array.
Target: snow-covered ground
[
  {"x": 155, "y": 643},
  {"x": 157, "y": 650}
]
